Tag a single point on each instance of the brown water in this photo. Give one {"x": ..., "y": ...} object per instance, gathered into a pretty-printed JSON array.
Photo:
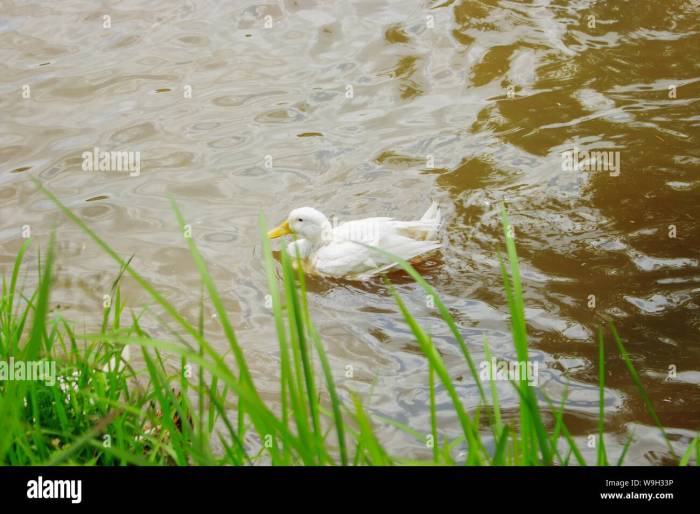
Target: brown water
[{"x": 375, "y": 108}]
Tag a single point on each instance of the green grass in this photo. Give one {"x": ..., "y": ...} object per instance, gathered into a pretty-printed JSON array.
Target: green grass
[{"x": 206, "y": 409}]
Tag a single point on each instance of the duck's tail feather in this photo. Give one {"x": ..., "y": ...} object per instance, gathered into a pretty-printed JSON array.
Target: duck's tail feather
[
  {"x": 432, "y": 215},
  {"x": 424, "y": 229}
]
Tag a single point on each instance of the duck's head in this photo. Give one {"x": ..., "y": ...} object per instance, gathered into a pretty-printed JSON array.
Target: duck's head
[{"x": 304, "y": 222}]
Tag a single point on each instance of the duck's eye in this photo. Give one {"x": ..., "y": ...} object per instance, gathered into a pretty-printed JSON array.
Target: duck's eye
[{"x": 300, "y": 219}]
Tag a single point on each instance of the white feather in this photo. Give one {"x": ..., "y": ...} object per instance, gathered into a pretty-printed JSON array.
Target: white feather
[{"x": 343, "y": 251}]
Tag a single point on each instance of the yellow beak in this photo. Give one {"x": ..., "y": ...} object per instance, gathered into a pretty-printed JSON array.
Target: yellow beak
[{"x": 282, "y": 230}]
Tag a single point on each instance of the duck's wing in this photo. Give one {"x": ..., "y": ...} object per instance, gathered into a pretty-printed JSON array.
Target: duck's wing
[
  {"x": 404, "y": 247},
  {"x": 351, "y": 250},
  {"x": 366, "y": 231},
  {"x": 343, "y": 258}
]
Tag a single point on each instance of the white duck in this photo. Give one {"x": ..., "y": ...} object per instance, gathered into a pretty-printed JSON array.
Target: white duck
[{"x": 335, "y": 252}]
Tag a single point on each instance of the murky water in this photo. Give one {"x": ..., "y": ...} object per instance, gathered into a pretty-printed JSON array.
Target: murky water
[{"x": 375, "y": 108}]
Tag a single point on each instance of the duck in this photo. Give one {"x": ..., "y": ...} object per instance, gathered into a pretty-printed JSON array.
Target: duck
[{"x": 347, "y": 250}]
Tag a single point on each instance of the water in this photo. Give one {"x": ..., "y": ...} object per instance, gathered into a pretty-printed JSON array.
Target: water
[{"x": 376, "y": 108}]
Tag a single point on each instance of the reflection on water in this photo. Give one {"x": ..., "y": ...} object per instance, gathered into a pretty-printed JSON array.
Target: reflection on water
[{"x": 375, "y": 108}]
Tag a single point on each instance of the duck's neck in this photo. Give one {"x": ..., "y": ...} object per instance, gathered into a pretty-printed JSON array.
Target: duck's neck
[{"x": 323, "y": 237}]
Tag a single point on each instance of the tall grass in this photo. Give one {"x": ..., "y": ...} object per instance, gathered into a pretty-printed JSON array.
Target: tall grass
[{"x": 107, "y": 412}]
